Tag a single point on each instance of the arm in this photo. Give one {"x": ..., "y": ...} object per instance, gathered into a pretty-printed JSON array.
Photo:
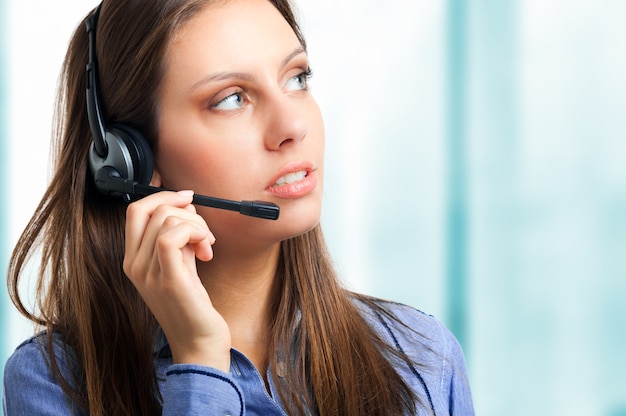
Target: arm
[
  {"x": 192, "y": 389},
  {"x": 164, "y": 238},
  {"x": 30, "y": 389}
]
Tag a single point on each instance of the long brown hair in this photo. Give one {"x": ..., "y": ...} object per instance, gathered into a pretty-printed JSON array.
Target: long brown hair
[{"x": 340, "y": 363}]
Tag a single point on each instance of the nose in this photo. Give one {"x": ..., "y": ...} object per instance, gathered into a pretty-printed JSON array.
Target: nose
[{"x": 286, "y": 121}]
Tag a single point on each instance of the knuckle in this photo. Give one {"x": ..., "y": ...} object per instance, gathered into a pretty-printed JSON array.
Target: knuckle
[
  {"x": 161, "y": 210},
  {"x": 126, "y": 265},
  {"x": 132, "y": 269},
  {"x": 170, "y": 221},
  {"x": 132, "y": 210},
  {"x": 164, "y": 242}
]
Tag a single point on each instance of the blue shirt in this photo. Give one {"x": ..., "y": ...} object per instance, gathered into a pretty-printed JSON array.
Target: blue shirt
[{"x": 440, "y": 380}]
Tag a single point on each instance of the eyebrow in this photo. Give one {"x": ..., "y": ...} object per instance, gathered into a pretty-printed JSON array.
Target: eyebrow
[{"x": 220, "y": 76}]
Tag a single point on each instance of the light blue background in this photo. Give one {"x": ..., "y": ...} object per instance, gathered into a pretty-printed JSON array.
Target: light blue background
[{"x": 476, "y": 169}]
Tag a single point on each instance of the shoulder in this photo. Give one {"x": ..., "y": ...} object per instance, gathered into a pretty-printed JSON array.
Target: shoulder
[
  {"x": 30, "y": 354},
  {"x": 436, "y": 363},
  {"x": 405, "y": 325},
  {"x": 27, "y": 374},
  {"x": 31, "y": 359},
  {"x": 36, "y": 351}
]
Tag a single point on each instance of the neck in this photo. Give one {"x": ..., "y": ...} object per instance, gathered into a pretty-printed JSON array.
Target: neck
[{"x": 243, "y": 289}]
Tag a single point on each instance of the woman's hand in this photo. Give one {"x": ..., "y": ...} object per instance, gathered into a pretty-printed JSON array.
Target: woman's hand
[{"x": 164, "y": 236}]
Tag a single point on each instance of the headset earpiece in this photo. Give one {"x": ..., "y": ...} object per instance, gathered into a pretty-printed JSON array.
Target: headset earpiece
[
  {"x": 140, "y": 152},
  {"x": 128, "y": 156},
  {"x": 121, "y": 150}
]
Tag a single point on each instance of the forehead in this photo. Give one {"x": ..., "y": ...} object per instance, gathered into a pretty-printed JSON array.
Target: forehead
[{"x": 226, "y": 29}]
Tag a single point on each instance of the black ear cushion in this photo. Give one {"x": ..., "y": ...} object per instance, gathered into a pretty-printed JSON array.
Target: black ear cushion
[{"x": 140, "y": 152}]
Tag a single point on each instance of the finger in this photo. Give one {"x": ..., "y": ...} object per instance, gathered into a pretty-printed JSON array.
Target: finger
[
  {"x": 165, "y": 216},
  {"x": 164, "y": 219},
  {"x": 199, "y": 237},
  {"x": 177, "y": 247},
  {"x": 138, "y": 214},
  {"x": 170, "y": 271},
  {"x": 145, "y": 222},
  {"x": 203, "y": 248}
]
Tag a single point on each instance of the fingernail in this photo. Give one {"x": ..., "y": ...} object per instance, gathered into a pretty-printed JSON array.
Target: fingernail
[{"x": 186, "y": 193}]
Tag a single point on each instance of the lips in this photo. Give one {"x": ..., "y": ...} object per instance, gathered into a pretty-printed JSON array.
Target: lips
[
  {"x": 290, "y": 178},
  {"x": 294, "y": 180}
]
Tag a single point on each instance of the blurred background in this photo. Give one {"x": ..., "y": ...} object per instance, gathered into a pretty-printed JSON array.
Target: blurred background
[{"x": 476, "y": 169}]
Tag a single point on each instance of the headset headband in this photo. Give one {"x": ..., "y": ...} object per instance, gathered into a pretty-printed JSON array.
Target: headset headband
[{"x": 98, "y": 129}]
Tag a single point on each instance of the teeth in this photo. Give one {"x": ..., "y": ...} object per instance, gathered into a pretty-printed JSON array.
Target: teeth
[{"x": 291, "y": 178}]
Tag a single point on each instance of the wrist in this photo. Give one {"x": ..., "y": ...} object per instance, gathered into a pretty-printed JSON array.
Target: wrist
[{"x": 216, "y": 359}]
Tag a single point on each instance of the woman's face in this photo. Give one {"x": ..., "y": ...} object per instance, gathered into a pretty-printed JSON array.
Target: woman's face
[{"x": 236, "y": 119}]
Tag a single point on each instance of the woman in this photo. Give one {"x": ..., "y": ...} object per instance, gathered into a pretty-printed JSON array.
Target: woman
[{"x": 164, "y": 307}]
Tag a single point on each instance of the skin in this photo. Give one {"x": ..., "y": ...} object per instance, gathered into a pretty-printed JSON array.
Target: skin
[{"x": 235, "y": 115}]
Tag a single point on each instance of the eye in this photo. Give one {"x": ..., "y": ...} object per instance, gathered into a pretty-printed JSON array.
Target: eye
[
  {"x": 233, "y": 101},
  {"x": 300, "y": 81}
]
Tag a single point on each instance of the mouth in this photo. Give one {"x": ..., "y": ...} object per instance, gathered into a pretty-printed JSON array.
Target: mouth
[
  {"x": 290, "y": 178},
  {"x": 296, "y": 181}
]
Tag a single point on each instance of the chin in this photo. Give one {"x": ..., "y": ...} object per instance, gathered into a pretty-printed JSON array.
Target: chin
[
  {"x": 294, "y": 222},
  {"x": 240, "y": 230}
]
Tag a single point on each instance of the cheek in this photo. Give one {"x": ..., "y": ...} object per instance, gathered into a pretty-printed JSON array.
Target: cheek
[
  {"x": 206, "y": 168},
  {"x": 202, "y": 155},
  {"x": 182, "y": 166}
]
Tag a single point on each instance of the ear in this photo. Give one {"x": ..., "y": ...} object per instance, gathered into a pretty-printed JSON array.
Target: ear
[{"x": 156, "y": 179}]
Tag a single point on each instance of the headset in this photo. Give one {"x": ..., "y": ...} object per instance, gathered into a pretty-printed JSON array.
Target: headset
[{"x": 121, "y": 159}]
